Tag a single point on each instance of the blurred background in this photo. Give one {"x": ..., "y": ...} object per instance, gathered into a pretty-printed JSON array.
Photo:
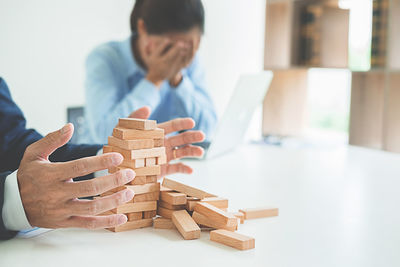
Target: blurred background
[{"x": 44, "y": 44}]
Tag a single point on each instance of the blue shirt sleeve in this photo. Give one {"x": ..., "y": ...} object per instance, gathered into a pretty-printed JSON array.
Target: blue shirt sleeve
[
  {"x": 103, "y": 103},
  {"x": 191, "y": 99}
]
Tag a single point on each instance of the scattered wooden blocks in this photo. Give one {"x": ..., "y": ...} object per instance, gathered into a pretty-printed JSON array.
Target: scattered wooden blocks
[
  {"x": 232, "y": 239},
  {"x": 163, "y": 223},
  {"x": 171, "y": 207},
  {"x": 239, "y": 215},
  {"x": 188, "y": 190},
  {"x": 173, "y": 198},
  {"x": 130, "y": 134},
  {"x": 132, "y": 225},
  {"x": 219, "y": 202},
  {"x": 163, "y": 212},
  {"x": 203, "y": 220},
  {"x": 214, "y": 214},
  {"x": 137, "y": 124},
  {"x": 255, "y": 213},
  {"x": 185, "y": 225},
  {"x": 191, "y": 203}
]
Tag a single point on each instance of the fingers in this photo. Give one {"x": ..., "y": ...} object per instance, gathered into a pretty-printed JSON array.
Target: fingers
[
  {"x": 100, "y": 185},
  {"x": 85, "y": 166},
  {"x": 141, "y": 113},
  {"x": 186, "y": 151},
  {"x": 48, "y": 144},
  {"x": 185, "y": 138},
  {"x": 100, "y": 205},
  {"x": 159, "y": 50},
  {"x": 97, "y": 222},
  {"x": 177, "y": 125},
  {"x": 169, "y": 169}
]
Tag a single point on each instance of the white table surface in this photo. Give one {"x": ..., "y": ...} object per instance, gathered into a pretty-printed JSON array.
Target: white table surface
[{"x": 338, "y": 207}]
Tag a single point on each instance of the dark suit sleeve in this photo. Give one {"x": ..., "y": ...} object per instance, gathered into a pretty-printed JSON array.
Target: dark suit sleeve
[{"x": 15, "y": 138}]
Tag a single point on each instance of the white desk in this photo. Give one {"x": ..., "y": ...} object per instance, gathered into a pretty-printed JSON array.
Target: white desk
[{"x": 337, "y": 208}]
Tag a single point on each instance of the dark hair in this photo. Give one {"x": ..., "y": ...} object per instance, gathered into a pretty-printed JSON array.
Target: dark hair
[{"x": 162, "y": 16}]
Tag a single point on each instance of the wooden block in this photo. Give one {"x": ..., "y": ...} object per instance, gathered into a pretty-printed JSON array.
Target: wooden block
[
  {"x": 149, "y": 214},
  {"x": 135, "y": 216},
  {"x": 132, "y": 225},
  {"x": 203, "y": 220},
  {"x": 166, "y": 213},
  {"x": 153, "y": 196},
  {"x": 140, "y": 153},
  {"x": 107, "y": 213},
  {"x": 239, "y": 215},
  {"x": 107, "y": 149},
  {"x": 135, "y": 207},
  {"x": 133, "y": 164},
  {"x": 137, "y": 124},
  {"x": 143, "y": 189},
  {"x": 191, "y": 203},
  {"x": 130, "y": 134},
  {"x": 138, "y": 180},
  {"x": 145, "y": 171},
  {"x": 232, "y": 239},
  {"x": 158, "y": 142},
  {"x": 219, "y": 202},
  {"x": 206, "y": 228},
  {"x": 163, "y": 223},
  {"x": 173, "y": 198},
  {"x": 186, "y": 225},
  {"x": 150, "y": 162},
  {"x": 151, "y": 179},
  {"x": 214, "y": 214},
  {"x": 130, "y": 144},
  {"x": 161, "y": 160},
  {"x": 259, "y": 212},
  {"x": 109, "y": 192},
  {"x": 188, "y": 190},
  {"x": 171, "y": 207},
  {"x": 165, "y": 189}
]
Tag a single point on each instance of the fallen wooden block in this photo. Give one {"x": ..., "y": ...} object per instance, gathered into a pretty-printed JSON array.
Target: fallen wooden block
[
  {"x": 238, "y": 215},
  {"x": 158, "y": 142},
  {"x": 130, "y": 134},
  {"x": 188, "y": 190},
  {"x": 133, "y": 164},
  {"x": 217, "y": 215},
  {"x": 151, "y": 162},
  {"x": 163, "y": 223},
  {"x": 130, "y": 144},
  {"x": 185, "y": 225},
  {"x": 163, "y": 212},
  {"x": 149, "y": 214},
  {"x": 137, "y": 124},
  {"x": 135, "y": 207},
  {"x": 138, "y": 180},
  {"x": 191, "y": 203},
  {"x": 143, "y": 189},
  {"x": 135, "y": 216},
  {"x": 150, "y": 179},
  {"x": 153, "y": 196},
  {"x": 107, "y": 149},
  {"x": 173, "y": 198},
  {"x": 219, "y": 202},
  {"x": 232, "y": 239},
  {"x": 255, "y": 213},
  {"x": 140, "y": 153},
  {"x": 132, "y": 225},
  {"x": 165, "y": 189},
  {"x": 171, "y": 207},
  {"x": 203, "y": 220}
]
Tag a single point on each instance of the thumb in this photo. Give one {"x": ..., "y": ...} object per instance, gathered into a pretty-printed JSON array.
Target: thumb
[
  {"x": 48, "y": 144},
  {"x": 141, "y": 113}
]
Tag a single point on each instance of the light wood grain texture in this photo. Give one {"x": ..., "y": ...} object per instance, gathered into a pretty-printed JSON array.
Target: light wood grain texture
[
  {"x": 203, "y": 220},
  {"x": 153, "y": 196},
  {"x": 188, "y": 190},
  {"x": 133, "y": 164},
  {"x": 137, "y": 124},
  {"x": 145, "y": 171},
  {"x": 219, "y": 202},
  {"x": 232, "y": 239},
  {"x": 132, "y": 225},
  {"x": 150, "y": 162},
  {"x": 135, "y": 216},
  {"x": 107, "y": 213},
  {"x": 214, "y": 214},
  {"x": 135, "y": 207},
  {"x": 161, "y": 160},
  {"x": 149, "y": 214},
  {"x": 138, "y": 180},
  {"x": 143, "y": 189},
  {"x": 151, "y": 179},
  {"x": 159, "y": 142},
  {"x": 140, "y": 153},
  {"x": 130, "y": 144},
  {"x": 163, "y": 223},
  {"x": 170, "y": 206},
  {"x": 254, "y": 213},
  {"x": 130, "y": 134},
  {"x": 165, "y": 189},
  {"x": 163, "y": 212},
  {"x": 191, "y": 203},
  {"x": 239, "y": 215},
  {"x": 173, "y": 198},
  {"x": 107, "y": 149},
  {"x": 186, "y": 226}
]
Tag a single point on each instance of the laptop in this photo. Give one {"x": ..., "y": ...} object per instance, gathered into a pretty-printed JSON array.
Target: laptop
[{"x": 248, "y": 95}]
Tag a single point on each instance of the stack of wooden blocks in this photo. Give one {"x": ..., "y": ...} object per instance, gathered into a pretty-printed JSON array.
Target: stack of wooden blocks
[{"x": 141, "y": 144}]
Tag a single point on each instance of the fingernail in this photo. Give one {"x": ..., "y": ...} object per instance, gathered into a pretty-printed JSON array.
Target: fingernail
[
  {"x": 130, "y": 174},
  {"x": 116, "y": 159},
  {"x": 122, "y": 219},
  {"x": 129, "y": 195}
]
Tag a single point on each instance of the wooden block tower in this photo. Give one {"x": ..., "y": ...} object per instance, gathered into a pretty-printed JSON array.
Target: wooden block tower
[{"x": 141, "y": 144}]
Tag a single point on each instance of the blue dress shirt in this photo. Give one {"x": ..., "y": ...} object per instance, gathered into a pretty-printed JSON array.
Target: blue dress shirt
[{"x": 116, "y": 86}]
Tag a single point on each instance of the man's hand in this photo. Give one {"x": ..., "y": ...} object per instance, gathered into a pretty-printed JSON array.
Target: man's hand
[
  {"x": 181, "y": 143},
  {"x": 50, "y": 196}
]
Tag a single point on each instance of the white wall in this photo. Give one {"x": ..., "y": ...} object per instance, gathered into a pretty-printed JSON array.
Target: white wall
[{"x": 43, "y": 45}]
